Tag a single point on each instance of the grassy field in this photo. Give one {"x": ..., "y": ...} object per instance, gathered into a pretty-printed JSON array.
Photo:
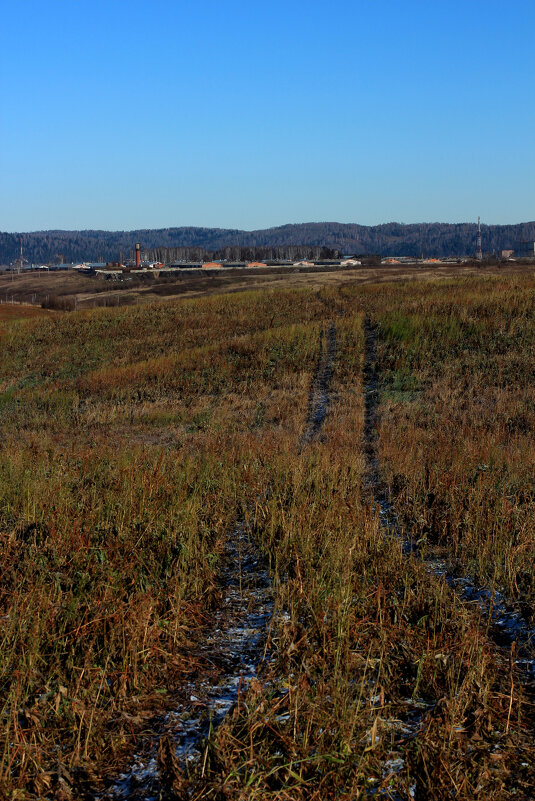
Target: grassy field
[
  {"x": 72, "y": 290},
  {"x": 457, "y": 420},
  {"x": 132, "y": 441}
]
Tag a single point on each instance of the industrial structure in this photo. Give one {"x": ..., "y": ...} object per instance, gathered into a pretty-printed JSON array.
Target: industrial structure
[
  {"x": 479, "y": 252},
  {"x": 20, "y": 261}
]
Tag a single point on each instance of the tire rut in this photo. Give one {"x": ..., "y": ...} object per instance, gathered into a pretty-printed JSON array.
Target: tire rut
[
  {"x": 508, "y": 627},
  {"x": 508, "y": 630},
  {"x": 234, "y": 648},
  {"x": 320, "y": 390}
]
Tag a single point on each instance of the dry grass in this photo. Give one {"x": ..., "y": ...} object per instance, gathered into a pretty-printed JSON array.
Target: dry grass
[
  {"x": 90, "y": 291},
  {"x": 131, "y": 441},
  {"x": 9, "y": 312},
  {"x": 122, "y": 472},
  {"x": 457, "y": 424},
  {"x": 365, "y": 643}
]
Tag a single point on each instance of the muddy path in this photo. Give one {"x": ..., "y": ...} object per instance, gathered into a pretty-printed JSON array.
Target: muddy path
[
  {"x": 234, "y": 648},
  {"x": 507, "y": 627}
]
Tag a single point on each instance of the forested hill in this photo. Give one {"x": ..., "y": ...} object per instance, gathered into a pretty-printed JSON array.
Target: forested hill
[{"x": 390, "y": 239}]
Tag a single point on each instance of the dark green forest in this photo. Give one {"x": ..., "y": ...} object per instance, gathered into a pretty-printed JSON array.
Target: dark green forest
[{"x": 306, "y": 239}]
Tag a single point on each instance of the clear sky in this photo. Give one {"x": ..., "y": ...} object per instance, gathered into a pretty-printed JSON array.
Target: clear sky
[{"x": 122, "y": 114}]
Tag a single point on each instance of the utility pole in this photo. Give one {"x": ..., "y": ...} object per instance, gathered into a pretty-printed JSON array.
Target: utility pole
[
  {"x": 21, "y": 259},
  {"x": 479, "y": 252}
]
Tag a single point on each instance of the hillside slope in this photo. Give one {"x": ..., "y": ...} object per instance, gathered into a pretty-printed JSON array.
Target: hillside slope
[{"x": 390, "y": 239}]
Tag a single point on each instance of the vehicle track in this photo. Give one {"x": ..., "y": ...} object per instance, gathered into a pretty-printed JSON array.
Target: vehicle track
[
  {"x": 234, "y": 648},
  {"x": 505, "y": 626},
  {"x": 507, "y": 623},
  {"x": 320, "y": 389}
]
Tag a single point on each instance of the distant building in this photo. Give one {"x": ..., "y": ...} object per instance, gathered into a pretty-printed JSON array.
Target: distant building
[
  {"x": 256, "y": 264},
  {"x": 212, "y": 265}
]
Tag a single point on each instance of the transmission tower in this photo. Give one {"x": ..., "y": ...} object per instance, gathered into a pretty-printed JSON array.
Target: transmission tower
[
  {"x": 479, "y": 252},
  {"x": 21, "y": 260}
]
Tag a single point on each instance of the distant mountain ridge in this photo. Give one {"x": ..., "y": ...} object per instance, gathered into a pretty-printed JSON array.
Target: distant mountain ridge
[{"x": 388, "y": 239}]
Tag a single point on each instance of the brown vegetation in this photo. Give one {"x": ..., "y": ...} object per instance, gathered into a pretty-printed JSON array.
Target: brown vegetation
[
  {"x": 457, "y": 423},
  {"x": 90, "y": 291},
  {"x": 133, "y": 439}
]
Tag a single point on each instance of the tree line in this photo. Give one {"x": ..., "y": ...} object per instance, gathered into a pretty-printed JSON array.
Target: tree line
[
  {"x": 242, "y": 254},
  {"x": 302, "y": 241}
]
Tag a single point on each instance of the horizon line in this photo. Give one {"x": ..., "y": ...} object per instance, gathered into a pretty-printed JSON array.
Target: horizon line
[{"x": 269, "y": 228}]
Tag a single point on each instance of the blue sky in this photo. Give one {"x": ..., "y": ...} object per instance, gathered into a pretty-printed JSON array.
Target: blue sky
[{"x": 122, "y": 114}]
